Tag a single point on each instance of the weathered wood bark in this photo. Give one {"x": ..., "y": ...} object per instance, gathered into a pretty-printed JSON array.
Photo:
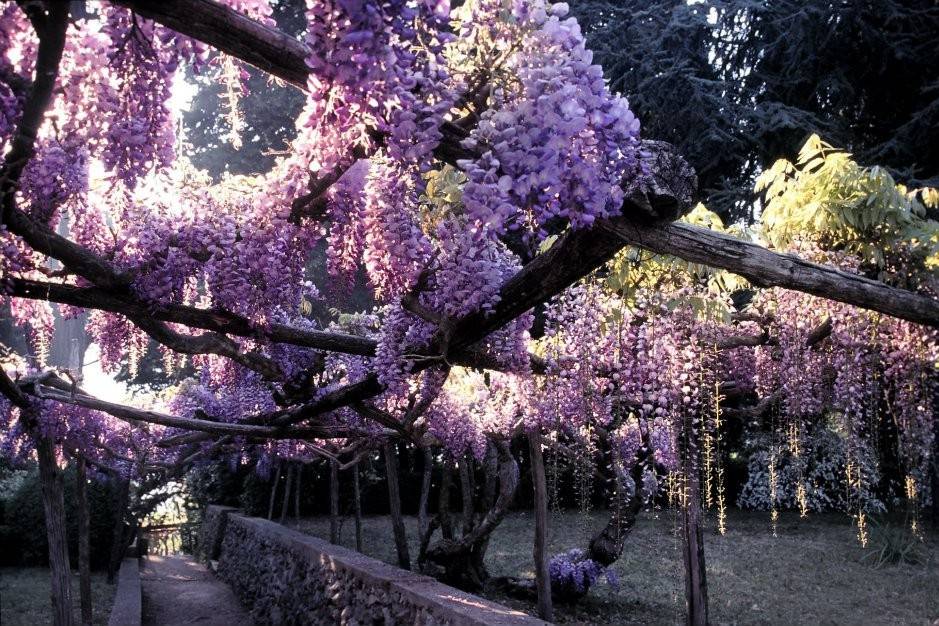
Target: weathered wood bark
[
  {"x": 466, "y": 491},
  {"x": 394, "y": 504},
  {"x": 288, "y": 489},
  {"x": 357, "y": 504},
  {"x": 696, "y": 596},
  {"x": 696, "y": 593},
  {"x": 766, "y": 268},
  {"x": 935, "y": 471},
  {"x": 235, "y": 34},
  {"x": 53, "y": 504},
  {"x": 213, "y": 320},
  {"x": 296, "y": 493},
  {"x": 443, "y": 501},
  {"x": 270, "y": 503},
  {"x": 460, "y": 562},
  {"x": 121, "y": 502},
  {"x": 84, "y": 555},
  {"x": 334, "y": 502},
  {"x": 423, "y": 522},
  {"x": 209, "y": 428},
  {"x": 539, "y": 550}
]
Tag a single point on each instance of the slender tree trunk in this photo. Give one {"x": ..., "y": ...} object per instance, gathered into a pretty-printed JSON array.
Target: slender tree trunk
[
  {"x": 287, "y": 489},
  {"x": 443, "y": 505},
  {"x": 270, "y": 504},
  {"x": 540, "y": 553},
  {"x": 334, "y": 502},
  {"x": 935, "y": 471},
  {"x": 53, "y": 504},
  {"x": 118, "y": 544},
  {"x": 357, "y": 497},
  {"x": 394, "y": 503},
  {"x": 84, "y": 557},
  {"x": 422, "y": 519},
  {"x": 296, "y": 493},
  {"x": 466, "y": 490},
  {"x": 696, "y": 590}
]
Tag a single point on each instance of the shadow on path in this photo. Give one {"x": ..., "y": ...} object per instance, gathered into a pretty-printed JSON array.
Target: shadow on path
[{"x": 178, "y": 591}]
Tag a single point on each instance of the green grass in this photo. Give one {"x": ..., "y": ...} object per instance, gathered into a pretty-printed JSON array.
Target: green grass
[
  {"x": 24, "y": 597},
  {"x": 812, "y": 572}
]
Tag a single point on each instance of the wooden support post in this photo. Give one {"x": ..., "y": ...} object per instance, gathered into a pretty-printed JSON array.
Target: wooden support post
[
  {"x": 443, "y": 504},
  {"x": 118, "y": 537},
  {"x": 357, "y": 497},
  {"x": 270, "y": 504},
  {"x": 422, "y": 519},
  {"x": 53, "y": 504},
  {"x": 934, "y": 475},
  {"x": 394, "y": 504},
  {"x": 696, "y": 589},
  {"x": 466, "y": 491},
  {"x": 287, "y": 490},
  {"x": 334, "y": 502},
  {"x": 296, "y": 493},
  {"x": 84, "y": 554},
  {"x": 540, "y": 553}
]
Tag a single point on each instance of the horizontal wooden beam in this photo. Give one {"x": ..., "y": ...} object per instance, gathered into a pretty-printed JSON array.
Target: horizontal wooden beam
[
  {"x": 765, "y": 268},
  {"x": 235, "y": 34}
]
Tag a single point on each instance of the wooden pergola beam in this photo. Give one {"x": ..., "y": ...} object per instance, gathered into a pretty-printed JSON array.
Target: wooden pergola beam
[{"x": 765, "y": 268}]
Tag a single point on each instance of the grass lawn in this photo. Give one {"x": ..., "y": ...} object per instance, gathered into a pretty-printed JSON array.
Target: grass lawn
[
  {"x": 812, "y": 572},
  {"x": 24, "y": 597}
]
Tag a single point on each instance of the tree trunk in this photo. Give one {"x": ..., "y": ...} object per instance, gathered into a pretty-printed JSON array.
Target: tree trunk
[
  {"x": 296, "y": 494},
  {"x": 53, "y": 504},
  {"x": 288, "y": 488},
  {"x": 696, "y": 591},
  {"x": 334, "y": 502},
  {"x": 466, "y": 491},
  {"x": 357, "y": 497},
  {"x": 443, "y": 504},
  {"x": 84, "y": 557},
  {"x": 935, "y": 470},
  {"x": 121, "y": 500},
  {"x": 542, "y": 577},
  {"x": 270, "y": 504},
  {"x": 422, "y": 519},
  {"x": 394, "y": 503},
  {"x": 462, "y": 562}
]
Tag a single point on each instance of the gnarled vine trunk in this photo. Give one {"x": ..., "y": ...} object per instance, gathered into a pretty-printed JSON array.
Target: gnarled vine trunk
[{"x": 460, "y": 561}]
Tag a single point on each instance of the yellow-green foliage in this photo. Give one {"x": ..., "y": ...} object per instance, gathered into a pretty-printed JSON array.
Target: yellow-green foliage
[
  {"x": 827, "y": 199},
  {"x": 824, "y": 200},
  {"x": 442, "y": 197}
]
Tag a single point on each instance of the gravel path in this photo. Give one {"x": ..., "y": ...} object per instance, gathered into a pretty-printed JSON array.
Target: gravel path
[{"x": 178, "y": 591}]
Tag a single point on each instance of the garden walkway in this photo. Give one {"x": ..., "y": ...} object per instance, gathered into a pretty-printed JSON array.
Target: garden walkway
[{"x": 178, "y": 591}]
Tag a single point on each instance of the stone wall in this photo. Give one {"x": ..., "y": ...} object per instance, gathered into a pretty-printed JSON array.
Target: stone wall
[
  {"x": 286, "y": 577},
  {"x": 126, "y": 610},
  {"x": 211, "y": 532}
]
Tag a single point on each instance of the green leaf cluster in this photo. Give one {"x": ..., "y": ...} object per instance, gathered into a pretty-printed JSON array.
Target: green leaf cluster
[{"x": 827, "y": 199}]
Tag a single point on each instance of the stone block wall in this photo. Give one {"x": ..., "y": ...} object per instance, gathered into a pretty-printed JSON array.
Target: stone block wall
[
  {"x": 286, "y": 577},
  {"x": 211, "y": 532},
  {"x": 126, "y": 610}
]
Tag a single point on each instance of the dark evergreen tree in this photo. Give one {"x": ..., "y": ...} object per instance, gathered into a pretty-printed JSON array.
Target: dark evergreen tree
[{"x": 736, "y": 84}]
